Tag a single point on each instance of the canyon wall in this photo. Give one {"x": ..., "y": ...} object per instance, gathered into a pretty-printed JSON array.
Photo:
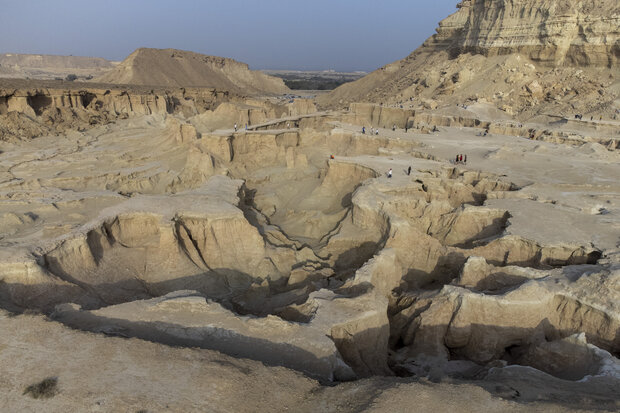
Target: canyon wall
[
  {"x": 551, "y": 32},
  {"x": 28, "y": 111}
]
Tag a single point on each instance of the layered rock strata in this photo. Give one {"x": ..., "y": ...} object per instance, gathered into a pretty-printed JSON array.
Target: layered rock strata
[
  {"x": 552, "y": 32},
  {"x": 525, "y": 57}
]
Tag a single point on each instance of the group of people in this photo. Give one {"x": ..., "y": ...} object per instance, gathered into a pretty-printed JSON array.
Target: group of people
[
  {"x": 376, "y": 131},
  {"x": 460, "y": 158},
  {"x": 372, "y": 130},
  {"x": 580, "y": 116}
]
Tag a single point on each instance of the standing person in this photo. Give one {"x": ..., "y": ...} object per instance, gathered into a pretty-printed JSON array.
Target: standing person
[
  {"x": 390, "y": 173},
  {"x": 405, "y": 129},
  {"x": 409, "y": 171},
  {"x": 363, "y": 130},
  {"x": 461, "y": 158},
  {"x": 457, "y": 159},
  {"x": 246, "y": 126},
  {"x": 465, "y": 159},
  {"x": 235, "y": 127},
  {"x": 377, "y": 131},
  {"x": 394, "y": 127}
]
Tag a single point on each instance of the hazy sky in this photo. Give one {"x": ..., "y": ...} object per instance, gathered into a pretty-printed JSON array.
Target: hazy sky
[{"x": 266, "y": 34}]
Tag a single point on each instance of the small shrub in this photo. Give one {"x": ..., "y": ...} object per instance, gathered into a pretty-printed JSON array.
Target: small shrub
[
  {"x": 71, "y": 77},
  {"x": 44, "y": 389}
]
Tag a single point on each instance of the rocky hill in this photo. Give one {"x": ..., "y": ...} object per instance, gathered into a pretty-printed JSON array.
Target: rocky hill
[
  {"x": 528, "y": 57},
  {"x": 170, "y": 67}
]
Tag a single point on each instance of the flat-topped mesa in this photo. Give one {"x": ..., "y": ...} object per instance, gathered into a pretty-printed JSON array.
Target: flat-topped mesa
[
  {"x": 41, "y": 66},
  {"x": 41, "y": 61},
  {"x": 171, "y": 67},
  {"x": 551, "y": 32}
]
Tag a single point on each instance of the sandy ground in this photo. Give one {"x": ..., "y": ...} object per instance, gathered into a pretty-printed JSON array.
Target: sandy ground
[{"x": 108, "y": 374}]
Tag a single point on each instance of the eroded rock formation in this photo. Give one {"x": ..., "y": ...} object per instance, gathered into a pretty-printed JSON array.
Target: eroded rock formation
[
  {"x": 344, "y": 245},
  {"x": 356, "y": 275},
  {"x": 552, "y": 32}
]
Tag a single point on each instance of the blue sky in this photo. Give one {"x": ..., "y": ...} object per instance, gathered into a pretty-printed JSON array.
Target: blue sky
[{"x": 267, "y": 34}]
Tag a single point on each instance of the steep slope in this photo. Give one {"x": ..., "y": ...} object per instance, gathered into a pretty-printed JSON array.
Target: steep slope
[
  {"x": 496, "y": 49},
  {"x": 170, "y": 67}
]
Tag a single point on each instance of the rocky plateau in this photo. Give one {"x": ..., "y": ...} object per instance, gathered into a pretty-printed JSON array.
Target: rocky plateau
[{"x": 175, "y": 246}]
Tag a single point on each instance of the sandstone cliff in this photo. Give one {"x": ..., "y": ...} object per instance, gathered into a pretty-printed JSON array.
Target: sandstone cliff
[
  {"x": 170, "y": 67},
  {"x": 30, "y": 109},
  {"x": 527, "y": 57},
  {"x": 552, "y": 32}
]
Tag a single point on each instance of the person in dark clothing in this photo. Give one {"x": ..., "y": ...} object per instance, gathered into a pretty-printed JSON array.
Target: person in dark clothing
[
  {"x": 409, "y": 171},
  {"x": 457, "y": 159},
  {"x": 465, "y": 159}
]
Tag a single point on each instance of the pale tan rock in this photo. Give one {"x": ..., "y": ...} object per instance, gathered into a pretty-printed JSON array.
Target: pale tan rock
[
  {"x": 553, "y": 41},
  {"x": 181, "y": 317},
  {"x": 480, "y": 275},
  {"x": 535, "y": 89},
  {"x": 482, "y": 327}
]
